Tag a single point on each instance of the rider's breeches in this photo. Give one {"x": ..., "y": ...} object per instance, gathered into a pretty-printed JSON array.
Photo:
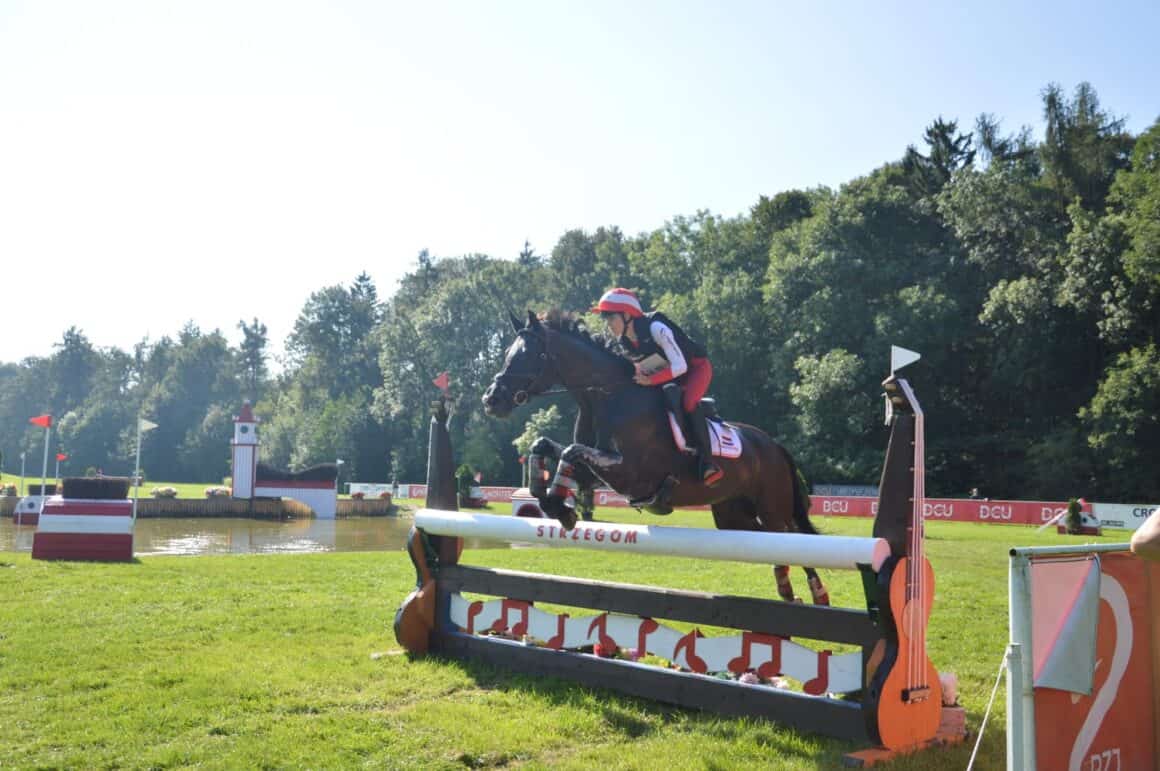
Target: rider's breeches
[{"x": 695, "y": 382}]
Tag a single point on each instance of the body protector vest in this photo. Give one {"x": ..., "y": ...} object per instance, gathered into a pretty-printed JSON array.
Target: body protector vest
[{"x": 646, "y": 346}]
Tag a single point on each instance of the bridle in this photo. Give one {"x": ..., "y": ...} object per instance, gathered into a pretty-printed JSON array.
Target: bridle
[
  {"x": 532, "y": 385},
  {"x": 537, "y": 384}
]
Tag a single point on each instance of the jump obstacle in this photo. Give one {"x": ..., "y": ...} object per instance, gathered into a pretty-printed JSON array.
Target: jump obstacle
[
  {"x": 316, "y": 487},
  {"x": 892, "y": 694}
]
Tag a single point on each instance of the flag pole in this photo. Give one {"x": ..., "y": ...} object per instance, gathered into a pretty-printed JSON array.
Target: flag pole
[
  {"x": 44, "y": 466},
  {"x": 143, "y": 425},
  {"x": 22, "y": 473},
  {"x": 137, "y": 472}
]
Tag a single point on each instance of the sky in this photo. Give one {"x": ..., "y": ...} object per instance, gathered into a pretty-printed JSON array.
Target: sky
[{"x": 205, "y": 161}]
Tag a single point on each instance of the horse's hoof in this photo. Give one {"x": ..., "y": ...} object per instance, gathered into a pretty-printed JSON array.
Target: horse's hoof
[
  {"x": 567, "y": 519},
  {"x": 557, "y": 509}
]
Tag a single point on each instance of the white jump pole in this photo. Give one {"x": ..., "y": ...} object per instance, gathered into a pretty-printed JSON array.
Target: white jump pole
[{"x": 819, "y": 551}]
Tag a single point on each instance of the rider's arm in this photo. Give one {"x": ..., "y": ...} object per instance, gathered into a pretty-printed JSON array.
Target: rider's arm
[
  {"x": 677, "y": 364},
  {"x": 1146, "y": 540}
]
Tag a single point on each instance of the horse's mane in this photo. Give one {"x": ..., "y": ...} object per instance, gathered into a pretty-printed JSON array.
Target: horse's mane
[{"x": 574, "y": 327}]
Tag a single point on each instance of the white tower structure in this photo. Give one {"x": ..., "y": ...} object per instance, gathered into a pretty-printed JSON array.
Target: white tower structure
[{"x": 245, "y": 452}]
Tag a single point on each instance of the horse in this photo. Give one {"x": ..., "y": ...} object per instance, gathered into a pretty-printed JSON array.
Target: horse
[{"x": 624, "y": 439}]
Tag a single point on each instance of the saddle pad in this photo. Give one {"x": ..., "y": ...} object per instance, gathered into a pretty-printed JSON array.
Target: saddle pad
[{"x": 724, "y": 439}]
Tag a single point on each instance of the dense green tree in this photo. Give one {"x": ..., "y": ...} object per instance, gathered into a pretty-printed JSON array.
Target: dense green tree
[
  {"x": 948, "y": 152},
  {"x": 252, "y": 358},
  {"x": 1083, "y": 147},
  {"x": 769, "y": 215},
  {"x": 202, "y": 375},
  {"x": 1124, "y": 424},
  {"x": 71, "y": 370}
]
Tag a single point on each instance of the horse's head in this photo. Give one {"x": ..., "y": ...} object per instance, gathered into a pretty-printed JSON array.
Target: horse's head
[{"x": 528, "y": 369}]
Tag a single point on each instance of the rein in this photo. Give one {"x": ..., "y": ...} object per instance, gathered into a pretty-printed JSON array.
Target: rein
[{"x": 522, "y": 395}]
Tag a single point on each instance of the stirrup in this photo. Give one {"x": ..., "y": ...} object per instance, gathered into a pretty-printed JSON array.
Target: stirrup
[{"x": 711, "y": 474}]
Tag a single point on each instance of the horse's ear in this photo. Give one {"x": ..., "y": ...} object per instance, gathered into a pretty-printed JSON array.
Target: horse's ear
[
  {"x": 533, "y": 322},
  {"x": 516, "y": 325}
]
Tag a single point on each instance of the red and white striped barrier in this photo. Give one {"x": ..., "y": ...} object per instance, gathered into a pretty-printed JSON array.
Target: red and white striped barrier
[
  {"x": 84, "y": 529},
  {"x": 831, "y": 551},
  {"x": 525, "y": 505}
]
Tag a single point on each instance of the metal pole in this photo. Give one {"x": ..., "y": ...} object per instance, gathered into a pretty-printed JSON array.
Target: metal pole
[
  {"x": 1020, "y": 681},
  {"x": 22, "y": 474},
  {"x": 1059, "y": 551},
  {"x": 1015, "y": 728}
]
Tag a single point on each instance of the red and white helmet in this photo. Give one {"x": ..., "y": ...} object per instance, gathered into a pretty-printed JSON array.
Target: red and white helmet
[{"x": 619, "y": 301}]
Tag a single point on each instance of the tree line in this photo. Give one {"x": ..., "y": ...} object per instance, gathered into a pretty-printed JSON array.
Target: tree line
[{"x": 1025, "y": 269}]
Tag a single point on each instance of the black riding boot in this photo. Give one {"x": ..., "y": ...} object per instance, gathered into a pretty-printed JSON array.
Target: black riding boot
[
  {"x": 673, "y": 398},
  {"x": 710, "y": 472}
]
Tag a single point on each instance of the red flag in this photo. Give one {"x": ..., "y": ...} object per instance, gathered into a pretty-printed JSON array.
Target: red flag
[
  {"x": 443, "y": 382},
  {"x": 61, "y": 456},
  {"x": 44, "y": 421}
]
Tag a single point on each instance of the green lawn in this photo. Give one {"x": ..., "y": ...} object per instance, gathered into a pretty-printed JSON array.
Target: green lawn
[{"x": 288, "y": 661}]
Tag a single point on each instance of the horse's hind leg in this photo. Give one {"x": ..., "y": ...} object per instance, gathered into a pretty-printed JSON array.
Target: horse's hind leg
[
  {"x": 820, "y": 594},
  {"x": 741, "y": 514},
  {"x": 784, "y": 587}
]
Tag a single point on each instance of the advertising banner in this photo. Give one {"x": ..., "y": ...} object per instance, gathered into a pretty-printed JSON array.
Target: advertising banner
[
  {"x": 1123, "y": 516},
  {"x": 1003, "y": 512}
]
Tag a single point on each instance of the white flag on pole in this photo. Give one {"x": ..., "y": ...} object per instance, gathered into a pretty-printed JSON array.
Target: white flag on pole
[
  {"x": 901, "y": 357},
  {"x": 145, "y": 425}
]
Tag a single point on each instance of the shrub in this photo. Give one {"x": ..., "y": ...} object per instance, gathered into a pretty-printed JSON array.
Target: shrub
[
  {"x": 384, "y": 495},
  {"x": 102, "y": 488},
  {"x": 164, "y": 492},
  {"x": 1074, "y": 518},
  {"x": 357, "y": 496},
  {"x": 216, "y": 491},
  {"x": 8, "y": 490},
  {"x": 464, "y": 479}
]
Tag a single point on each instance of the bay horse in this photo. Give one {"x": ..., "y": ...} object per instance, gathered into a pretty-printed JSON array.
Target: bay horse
[{"x": 623, "y": 439}]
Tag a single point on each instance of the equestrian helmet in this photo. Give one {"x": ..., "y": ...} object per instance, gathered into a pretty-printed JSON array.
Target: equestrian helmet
[{"x": 619, "y": 301}]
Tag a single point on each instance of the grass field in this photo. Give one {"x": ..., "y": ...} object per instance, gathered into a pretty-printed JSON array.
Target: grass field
[{"x": 288, "y": 661}]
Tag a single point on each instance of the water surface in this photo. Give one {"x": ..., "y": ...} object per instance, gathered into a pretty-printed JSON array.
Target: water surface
[{"x": 215, "y": 535}]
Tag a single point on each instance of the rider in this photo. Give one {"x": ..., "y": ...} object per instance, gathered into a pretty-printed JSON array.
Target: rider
[{"x": 686, "y": 363}]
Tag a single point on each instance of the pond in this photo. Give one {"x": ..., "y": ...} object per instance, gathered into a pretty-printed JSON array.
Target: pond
[{"x": 245, "y": 536}]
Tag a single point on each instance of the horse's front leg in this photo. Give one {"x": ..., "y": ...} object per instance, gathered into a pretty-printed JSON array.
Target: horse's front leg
[
  {"x": 547, "y": 448},
  {"x": 599, "y": 462},
  {"x": 542, "y": 450},
  {"x": 578, "y": 463}
]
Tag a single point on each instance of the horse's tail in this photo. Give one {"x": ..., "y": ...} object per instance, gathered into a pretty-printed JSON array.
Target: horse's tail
[{"x": 801, "y": 498}]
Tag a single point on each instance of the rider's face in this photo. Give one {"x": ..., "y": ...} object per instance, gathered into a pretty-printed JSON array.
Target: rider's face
[{"x": 614, "y": 322}]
